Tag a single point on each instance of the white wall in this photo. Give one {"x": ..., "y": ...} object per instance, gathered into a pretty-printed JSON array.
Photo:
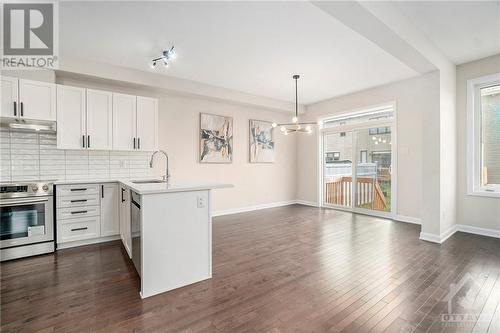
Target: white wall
[
  {"x": 474, "y": 211},
  {"x": 413, "y": 97},
  {"x": 254, "y": 184}
]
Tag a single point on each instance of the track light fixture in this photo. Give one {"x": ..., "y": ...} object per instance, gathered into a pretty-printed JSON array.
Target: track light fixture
[{"x": 167, "y": 55}]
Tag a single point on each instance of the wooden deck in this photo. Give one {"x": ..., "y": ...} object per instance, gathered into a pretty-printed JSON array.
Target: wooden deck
[{"x": 290, "y": 269}]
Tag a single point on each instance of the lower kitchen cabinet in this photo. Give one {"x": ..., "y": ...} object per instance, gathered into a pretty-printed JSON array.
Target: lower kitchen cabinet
[
  {"x": 125, "y": 231},
  {"x": 110, "y": 218},
  {"x": 86, "y": 214}
]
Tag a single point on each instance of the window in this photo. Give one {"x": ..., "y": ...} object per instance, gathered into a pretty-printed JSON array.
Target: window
[{"x": 483, "y": 136}]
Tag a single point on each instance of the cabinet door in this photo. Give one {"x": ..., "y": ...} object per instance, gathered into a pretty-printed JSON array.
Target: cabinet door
[
  {"x": 125, "y": 220},
  {"x": 110, "y": 218},
  {"x": 10, "y": 103},
  {"x": 147, "y": 123},
  {"x": 124, "y": 107},
  {"x": 99, "y": 119},
  {"x": 37, "y": 100},
  {"x": 70, "y": 117}
]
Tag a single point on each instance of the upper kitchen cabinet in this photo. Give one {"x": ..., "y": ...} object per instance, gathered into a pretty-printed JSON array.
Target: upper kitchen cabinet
[
  {"x": 147, "y": 123},
  {"x": 10, "y": 97},
  {"x": 124, "y": 122},
  {"x": 71, "y": 118},
  {"x": 99, "y": 119},
  {"x": 26, "y": 99}
]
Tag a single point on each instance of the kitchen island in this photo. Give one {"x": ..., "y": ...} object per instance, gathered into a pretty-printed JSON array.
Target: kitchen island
[{"x": 171, "y": 233}]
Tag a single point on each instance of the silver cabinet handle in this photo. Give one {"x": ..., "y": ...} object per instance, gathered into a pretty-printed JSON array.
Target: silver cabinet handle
[
  {"x": 22, "y": 109},
  {"x": 83, "y": 141},
  {"x": 88, "y": 141},
  {"x": 134, "y": 143},
  {"x": 78, "y": 189},
  {"x": 80, "y": 200},
  {"x": 15, "y": 108}
]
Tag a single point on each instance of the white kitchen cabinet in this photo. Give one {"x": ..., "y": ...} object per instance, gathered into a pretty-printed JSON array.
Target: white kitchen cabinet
[
  {"x": 99, "y": 119},
  {"x": 125, "y": 230},
  {"x": 124, "y": 122},
  {"x": 37, "y": 100},
  {"x": 10, "y": 97},
  {"x": 26, "y": 99},
  {"x": 71, "y": 117},
  {"x": 147, "y": 123},
  {"x": 110, "y": 219}
]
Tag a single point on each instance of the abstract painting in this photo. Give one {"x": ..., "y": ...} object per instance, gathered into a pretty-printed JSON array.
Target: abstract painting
[
  {"x": 261, "y": 142},
  {"x": 216, "y": 138}
]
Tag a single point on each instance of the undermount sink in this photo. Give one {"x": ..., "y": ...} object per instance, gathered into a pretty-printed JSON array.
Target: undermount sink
[{"x": 148, "y": 181}]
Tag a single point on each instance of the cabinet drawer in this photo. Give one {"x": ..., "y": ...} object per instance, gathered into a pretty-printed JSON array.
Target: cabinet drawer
[
  {"x": 80, "y": 189},
  {"x": 78, "y": 201},
  {"x": 78, "y": 229},
  {"x": 76, "y": 212}
]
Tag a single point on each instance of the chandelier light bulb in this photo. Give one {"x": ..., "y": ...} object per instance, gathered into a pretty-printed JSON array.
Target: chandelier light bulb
[
  {"x": 283, "y": 128},
  {"x": 384, "y": 141},
  {"x": 299, "y": 127},
  {"x": 285, "y": 132},
  {"x": 376, "y": 142},
  {"x": 295, "y": 119},
  {"x": 309, "y": 131},
  {"x": 274, "y": 125},
  {"x": 374, "y": 138},
  {"x": 308, "y": 128},
  {"x": 379, "y": 139}
]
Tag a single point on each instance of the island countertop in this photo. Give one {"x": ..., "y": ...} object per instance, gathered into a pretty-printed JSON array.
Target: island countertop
[{"x": 151, "y": 188}]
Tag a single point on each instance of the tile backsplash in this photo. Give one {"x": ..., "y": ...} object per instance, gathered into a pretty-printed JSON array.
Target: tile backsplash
[{"x": 26, "y": 156}]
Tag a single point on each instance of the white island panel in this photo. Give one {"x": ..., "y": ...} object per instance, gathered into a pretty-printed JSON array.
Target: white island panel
[{"x": 176, "y": 239}]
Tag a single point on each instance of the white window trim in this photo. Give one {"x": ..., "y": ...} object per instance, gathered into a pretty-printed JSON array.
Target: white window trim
[{"x": 474, "y": 137}]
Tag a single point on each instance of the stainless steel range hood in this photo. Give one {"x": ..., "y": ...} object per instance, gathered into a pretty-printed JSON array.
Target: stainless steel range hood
[{"x": 28, "y": 125}]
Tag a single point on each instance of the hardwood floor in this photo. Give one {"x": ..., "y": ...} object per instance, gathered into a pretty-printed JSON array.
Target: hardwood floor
[{"x": 290, "y": 269}]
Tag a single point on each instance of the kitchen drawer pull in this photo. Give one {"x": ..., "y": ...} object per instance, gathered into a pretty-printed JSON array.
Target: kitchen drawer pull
[
  {"x": 78, "y": 189},
  {"x": 79, "y": 229},
  {"x": 15, "y": 108},
  {"x": 80, "y": 212},
  {"x": 83, "y": 141},
  {"x": 134, "y": 140},
  {"x": 79, "y": 200},
  {"x": 138, "y": 143},
  {"x": 22, "y": 109}
]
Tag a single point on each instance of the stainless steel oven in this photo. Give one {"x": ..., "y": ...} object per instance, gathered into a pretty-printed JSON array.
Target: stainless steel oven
[{"x": 27, "y": 219}]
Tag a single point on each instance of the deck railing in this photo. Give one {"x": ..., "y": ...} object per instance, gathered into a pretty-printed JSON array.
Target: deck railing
[{"x": 368, "y": 194}]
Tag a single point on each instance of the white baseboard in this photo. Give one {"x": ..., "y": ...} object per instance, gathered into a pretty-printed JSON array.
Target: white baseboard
[
  {"x": 306, "y": 203},
  {"x": 252, "y": 208},
  {"x": 408, "y": 219},
  {"x": 441, "y": 238},
  {"x": 478, "y": 231}
]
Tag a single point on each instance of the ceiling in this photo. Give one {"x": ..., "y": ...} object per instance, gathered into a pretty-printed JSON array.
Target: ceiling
[
  {"x": 255, "y": 47},
  {"x": 249, "y": 47},
  {"x": 463, "y": 30}
]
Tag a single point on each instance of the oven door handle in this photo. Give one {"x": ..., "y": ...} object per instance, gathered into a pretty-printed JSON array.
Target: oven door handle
[{"x": 19, "y": 202}]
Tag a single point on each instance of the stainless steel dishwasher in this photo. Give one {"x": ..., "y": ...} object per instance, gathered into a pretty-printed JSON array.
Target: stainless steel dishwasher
[{"x": 135, "y": 230}]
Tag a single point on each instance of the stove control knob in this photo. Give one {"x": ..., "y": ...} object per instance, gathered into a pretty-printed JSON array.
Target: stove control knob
[
  {"x": 34, "y": 188},
  {"x": 45, "y": 188}
]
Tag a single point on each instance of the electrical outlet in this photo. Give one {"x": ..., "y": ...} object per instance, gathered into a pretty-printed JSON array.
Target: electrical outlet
[{"x": 200, "y": 201}]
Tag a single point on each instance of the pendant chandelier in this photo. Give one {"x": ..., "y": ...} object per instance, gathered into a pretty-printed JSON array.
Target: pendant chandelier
[{"x": 295, "y": 126}]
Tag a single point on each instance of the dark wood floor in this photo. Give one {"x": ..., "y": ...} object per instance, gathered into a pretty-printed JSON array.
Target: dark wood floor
[{"x": 291, "y": 269}]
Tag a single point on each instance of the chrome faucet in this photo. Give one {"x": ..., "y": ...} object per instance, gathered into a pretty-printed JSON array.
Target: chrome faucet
[{"x": 165, "y": 177}]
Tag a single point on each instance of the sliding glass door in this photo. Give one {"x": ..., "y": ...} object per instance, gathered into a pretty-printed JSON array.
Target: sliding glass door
[{"x": 357, "y": 167}]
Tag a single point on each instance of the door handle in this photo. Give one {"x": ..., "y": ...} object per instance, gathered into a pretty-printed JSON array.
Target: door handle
[
  {"x": 102, "y": 191},
  {"x": 15, "y": 108},
  {"x": 123, "y": 190}
]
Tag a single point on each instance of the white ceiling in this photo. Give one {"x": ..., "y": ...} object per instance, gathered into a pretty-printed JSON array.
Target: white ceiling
[
  {"x": 255, "y": 47},
  {"x": 463, "y": 30},
  {"x": 250, "y": 47}
]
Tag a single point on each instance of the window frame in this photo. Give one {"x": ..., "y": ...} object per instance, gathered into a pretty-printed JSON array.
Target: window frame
[{"x": 474, "y": 156}]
